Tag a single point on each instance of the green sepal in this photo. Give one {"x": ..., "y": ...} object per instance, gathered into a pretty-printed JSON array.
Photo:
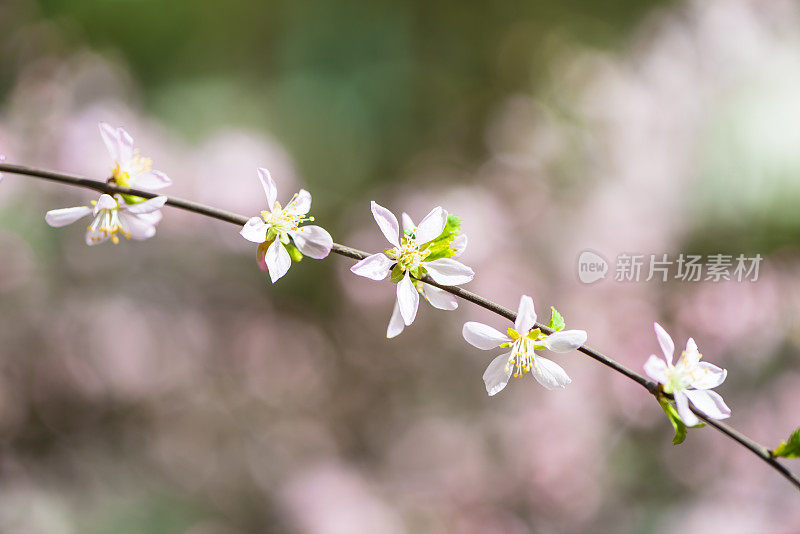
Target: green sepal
[
  {"x": 535, "y": 334},
  {"x": 392, "y": 253},
  {"x": 513, "y": 334},
  {"x": 789, "y": 449},
  {"x": 556, "y": 320},
  {"x": 417, "y": 272},
  {"x": 505, "y": 345},
  {"x": 675, "y": 419},
  {"x": 295, "y": 254},
  {"x": 397, "y": 274},
  {"x": 132, "y": 199},
  {"x": 440, "y": 247}
]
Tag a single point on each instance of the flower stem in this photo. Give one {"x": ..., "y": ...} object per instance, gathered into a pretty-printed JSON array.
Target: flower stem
[{"x": 234, "y": 218}]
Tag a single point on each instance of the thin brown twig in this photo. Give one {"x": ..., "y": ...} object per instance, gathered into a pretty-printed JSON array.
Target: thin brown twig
[{"x": 234, "y": 218}]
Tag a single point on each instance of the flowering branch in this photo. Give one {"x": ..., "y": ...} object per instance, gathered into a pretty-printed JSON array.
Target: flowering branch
[{"x": 654, "y": 388}]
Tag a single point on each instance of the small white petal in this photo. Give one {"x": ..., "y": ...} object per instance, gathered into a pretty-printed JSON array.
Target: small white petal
[
  {"x": 105, "y": 202},
  {"x": 138, "y": 228},
  {"x": 439, "y": 298},
  {"x": 449, "y": 272},
  {"x": 148, "y": 206},
  {"x": 691, "y": 356},
  {"x": 565, "y": 340},
  {"x": 526, "y": 315},
  {"x": 656, "y": 368},
  {"x": 301, "y": 204},
  {"x": 407, "y": 299},
  {"x": 459, "y": 244},
  {"x": 278, "y": 260},
  {"x": 667, "y": 346},
  {"x": 270, "y": 189},
  {"x": 707, "y": 375},
  {"x": 255, "y": 230},
  {"x": 375, "y": 267},
  {"x": 312, "y": 241},
  {"x": 109, "y": 136},
  {"x": 387, "y": 222},
  {"x": 396, "y": 324},
  {"x": 126, "y": 148},
  {"x": 63, "y": 217},
  {"x": 682, "y": 405},
  {"x": 431, "y": 226},
  {"x": 151, "y": 180},
  {"x": 549, "y": 374},
  {"x": 497, "y": 374},
  {"x": 483, "y": 336},
  {"x": 710, "y": 403},
  {"x": 408, "y": 223}
]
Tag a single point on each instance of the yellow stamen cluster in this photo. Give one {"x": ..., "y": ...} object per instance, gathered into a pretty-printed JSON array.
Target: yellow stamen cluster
[
  {"x": 282, "y": 221},
  {"x": 108, "y": 224},
  {"x": 135, "y": 166},
  {"x": 522, "y": 358},
  {"x": 409, "y": 255}
]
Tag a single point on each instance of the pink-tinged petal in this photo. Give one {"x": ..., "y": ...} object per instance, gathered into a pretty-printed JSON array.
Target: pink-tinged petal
[
  {"x": 255, "y": 230},
  {"x": 691, "y": 356},
  {"x": 312, "y": 241},
  {"x": 408, "y": 223},
  {"x": 105, "y": 202},
  {"x": 707, "y": 375},
  {"x": 656, "y": 368},
  {"x": 710, "y": 403},
  {"x": 301, "y": 204},
  {"x": 549, "y": 374},
  {"x": 526, "y": 316},
  {"x": 431, "y": 226},
  {"x": 148, "y": 206},
  {"x": 497, "y": 374},
  {"x": 439, "y": 298},
  {"x": 375, "y": 267},
  {"x": 667, "y": 346},
  {"x": 459, "y": 244},
  {"x": 278, "y": 260},
  {"x": 152, "y": 218},
  {"x": 261, "y": 256},
  {"x": 396, "y": 324},
  {"x": 407, "y": 299},
  {"x": 565, "y": 340},
  {"x": 483, "y": 336},
  {"x": 151, "y": 180},
  {"x": 63, "y": 217},
  {"x": 137, "y": 228},
  {"x": 270, "y": 189},
  {"x": 126, "y": 148},
  {"x": 449, "y": 272},
  {"x": 387, "y": 222},
  {"x": 682, "y": 405},
  {"x": 109, "y": 136}
]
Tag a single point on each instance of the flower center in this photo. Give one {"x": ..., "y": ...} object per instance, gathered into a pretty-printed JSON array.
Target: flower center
[
  {"x": 108, "y": 223},
  {"x": 409, "y": 256},
  {"x": 137, "y": 165},
  {"x": 522, "y": 358}
]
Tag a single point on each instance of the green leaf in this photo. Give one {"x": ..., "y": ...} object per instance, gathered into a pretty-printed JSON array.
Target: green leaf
[
  {"x": 789, "y": 449},
  {"x": 131, "y": 199},
  {"x": 440, "y": 247},
  {"x": 675, "y": 419},
  {"x": 397, "y": 274},
  {"x": 556, "y": 320},
  {"x": 295, "y": 254}
]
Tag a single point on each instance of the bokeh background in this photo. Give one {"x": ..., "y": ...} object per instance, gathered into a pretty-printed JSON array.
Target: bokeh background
[{"x": 168, "y": 387}]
